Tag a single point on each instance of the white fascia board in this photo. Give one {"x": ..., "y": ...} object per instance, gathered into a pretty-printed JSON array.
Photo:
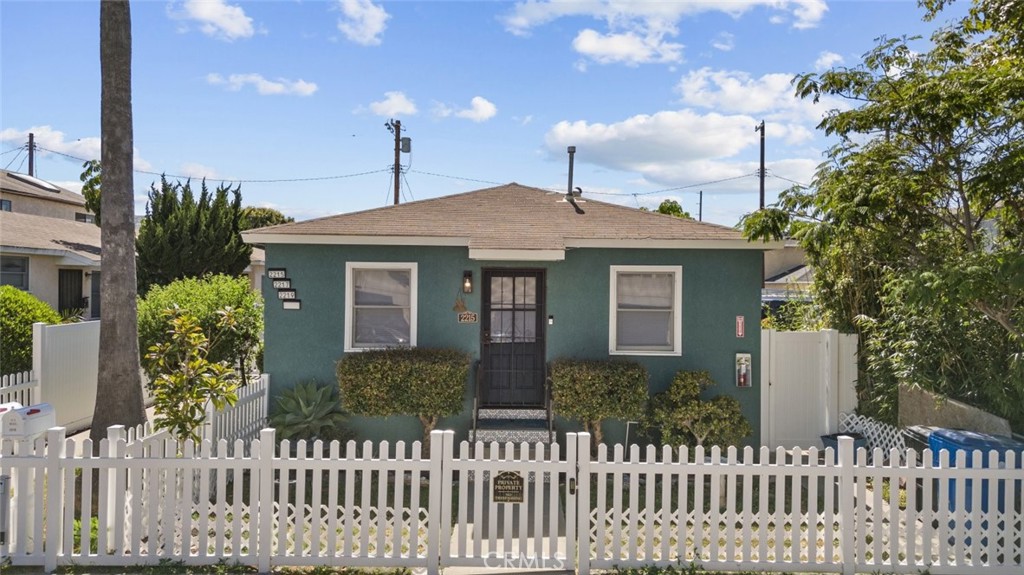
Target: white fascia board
[
  {"x": 673, "y": 244},
  {"x": 516, "y": 255},
  {"x": 330, "y": 239},
  {"x": 65, "y": 258}
]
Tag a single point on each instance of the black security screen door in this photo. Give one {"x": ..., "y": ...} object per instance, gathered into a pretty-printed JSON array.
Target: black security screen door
[{"x": 512, "y": 339}]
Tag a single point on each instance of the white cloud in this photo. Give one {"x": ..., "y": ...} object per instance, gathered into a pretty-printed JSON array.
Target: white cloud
[
  {"x": 826, "y": 60},
  {"x": 639, "y": 32},
  {"x": 394, "y": 104},
  {"x": 441, "y": 110},
  {"x": 74, "y": 186},
  {"x": 724, "y": 42},
  {"x": 480, "y": 110},
  {"x": 48, "y": 139},
  {"x": 198, "y": 171},
  {"x": 362, "y": 21},
  {"x": 217, "y": 18},
  {"x": 629, "y": 48},
  {"x": 264, "y": 87},
  {"x": 523, "y": 120}
]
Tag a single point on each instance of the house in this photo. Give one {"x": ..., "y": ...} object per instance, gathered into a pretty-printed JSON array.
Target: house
[
  {"x": 787, "y": 275},
  {"x": 540, "y": 279},
  {"x": 48, "y": 244}
]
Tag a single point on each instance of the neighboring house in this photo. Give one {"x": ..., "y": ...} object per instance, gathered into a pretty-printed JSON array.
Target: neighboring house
[
  {"x": 546, "y": 283},
  {"x": 48, "y": 244},
  {"x": 256, "y": 269},
  {"x": 787, "y": 275}
]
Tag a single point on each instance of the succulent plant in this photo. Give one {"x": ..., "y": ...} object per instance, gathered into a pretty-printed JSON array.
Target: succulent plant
[{"x": 310, "y": 411}]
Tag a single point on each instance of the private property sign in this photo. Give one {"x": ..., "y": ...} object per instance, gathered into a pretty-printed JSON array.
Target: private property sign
[{"x": 507, "y": 487}]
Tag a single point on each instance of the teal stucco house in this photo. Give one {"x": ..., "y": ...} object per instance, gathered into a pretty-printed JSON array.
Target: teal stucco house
[{"x": 539, "y": 278}]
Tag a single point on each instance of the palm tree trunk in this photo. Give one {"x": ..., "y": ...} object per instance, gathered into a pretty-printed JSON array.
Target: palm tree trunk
[{"x": 119, "y": 385}]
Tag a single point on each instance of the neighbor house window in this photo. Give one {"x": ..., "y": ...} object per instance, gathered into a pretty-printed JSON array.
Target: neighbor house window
[
  {"x": 87, "y": 218},
  {"x": 644, "y": 310},
  {"x": 14, "y": 272},
  {"x": 380, "y": 305},
  {"x": 5, "y": 205}
]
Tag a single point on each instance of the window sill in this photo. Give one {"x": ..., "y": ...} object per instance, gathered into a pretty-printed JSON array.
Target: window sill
[{"x": 665, "y": 353}]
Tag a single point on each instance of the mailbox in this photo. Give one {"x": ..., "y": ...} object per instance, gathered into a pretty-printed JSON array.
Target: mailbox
[
  {"x": 6, "y": 408},
  {"x": 28, "y": 422}
]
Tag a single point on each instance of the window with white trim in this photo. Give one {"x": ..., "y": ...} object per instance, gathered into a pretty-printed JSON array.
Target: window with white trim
[
  {"x": 644, "y": 310},
  {"x": 380, "y": 305},
  {"x": 14, "y": 272}
]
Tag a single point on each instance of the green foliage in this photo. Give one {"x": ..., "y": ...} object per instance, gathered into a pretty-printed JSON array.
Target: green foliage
[
  {"x": 792, "y": 315},
  {"x": 94, "y": 532},
  {"x": 18, "y": 311},
  {"x": 91, "y": 178},
  {"x": 185, "y": 381},
  {"x": 309, "y": 411},
  {"x": 671, "y": 208},
  {"x": 254, "y": 217},
  {"x": 683, "y": 418},
  {"x": 427, "y": 383},
  {"x": 592, "y": 390},
  {"x": 183, "y": 236},
  {"x": 915, "y": 223},
  {"x": 203, "y": 298}
]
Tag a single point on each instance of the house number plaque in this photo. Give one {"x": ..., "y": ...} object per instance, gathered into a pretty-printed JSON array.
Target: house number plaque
[
  {"x": 277, "y": 273},
  {"x": 282, "y": 284},
  {"x": 285, "y": 294},
  {"x": 468, "y": 317},
  {"x": 507, "y": 487}
]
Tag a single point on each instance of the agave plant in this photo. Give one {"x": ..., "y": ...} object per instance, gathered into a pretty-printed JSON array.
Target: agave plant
[{"x": 309, "y": 411}]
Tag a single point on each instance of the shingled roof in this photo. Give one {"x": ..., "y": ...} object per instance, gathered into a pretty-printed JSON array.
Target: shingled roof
[
  {"x": 29, "y": 234},
  {"x": 25, "y": 185},
  {"x": 506, "y": 218}
]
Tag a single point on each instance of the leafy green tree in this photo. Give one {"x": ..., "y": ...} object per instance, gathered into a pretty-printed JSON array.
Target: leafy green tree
[
  {"x": 592, "y": 390},
  {"x": 185, "y": 380},
  {"x": 18, "y": 311},
  {"x": 204, "y": 298},
  {"x": 91, "y": 178},
  {"x": 257, "y": 217},
  {"x": 185, "y": 236},
  {"x": 119, "y": 385},
  {"x": 915, "y": 223},
  {"x": 671, "y": 208}
]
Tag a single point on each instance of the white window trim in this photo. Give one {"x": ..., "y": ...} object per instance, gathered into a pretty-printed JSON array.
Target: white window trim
[
  {"x": 411, "y": 267},
  {"x": 677, "y": 315}
]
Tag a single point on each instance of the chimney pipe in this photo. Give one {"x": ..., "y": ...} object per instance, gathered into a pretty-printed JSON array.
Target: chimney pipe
[{"x": 572, "y": 152}]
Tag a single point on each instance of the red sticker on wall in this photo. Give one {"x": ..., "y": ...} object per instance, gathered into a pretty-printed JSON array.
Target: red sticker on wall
[{"x": 740, "y": 329}]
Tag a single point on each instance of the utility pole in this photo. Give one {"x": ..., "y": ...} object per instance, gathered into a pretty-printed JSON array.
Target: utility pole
[
  {"x": 395, "y": 127},
  {"x": 761, "y": 171},
  {"x": 31, "y": 154},
  {"x": 700, "y": 207}
]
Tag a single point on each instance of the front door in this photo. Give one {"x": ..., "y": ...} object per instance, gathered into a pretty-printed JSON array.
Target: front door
[
  {"x": 69, "y": 291},
  {"x": 512, "y": 339}
]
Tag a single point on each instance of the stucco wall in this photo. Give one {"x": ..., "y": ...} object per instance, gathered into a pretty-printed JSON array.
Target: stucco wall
[
  {"x": 40, "y": 207},
  {"x": 43, "y": 279},
  {"x": 717, "y": 286}
]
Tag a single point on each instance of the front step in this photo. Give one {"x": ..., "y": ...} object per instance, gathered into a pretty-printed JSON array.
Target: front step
[{"x": 515, "y": 425}]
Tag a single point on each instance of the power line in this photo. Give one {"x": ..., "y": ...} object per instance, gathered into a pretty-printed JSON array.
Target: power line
[
  {"x": 233, "y": 180},
  {"x": 12, "y": 150},
  {"x": 407, "y": 188},
  {"x": 456, "y": 177},
  {"x": 789, "y": 180},
  {"x": 687, "y": 186},
  {"x": 14, "y": 159}
]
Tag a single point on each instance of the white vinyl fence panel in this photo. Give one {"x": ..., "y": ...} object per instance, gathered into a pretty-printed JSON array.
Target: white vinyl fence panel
[
  {"x": 383, "y": 505},
  {"x": 20, "y": 388},
  {"x": 65, "y": 360}
]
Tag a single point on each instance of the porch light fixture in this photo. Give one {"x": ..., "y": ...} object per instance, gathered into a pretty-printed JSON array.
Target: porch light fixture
[{"x": 467, "y": 281}]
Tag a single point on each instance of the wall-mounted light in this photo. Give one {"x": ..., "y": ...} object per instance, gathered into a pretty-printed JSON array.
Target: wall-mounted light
[{"x": 467, "y": 282}]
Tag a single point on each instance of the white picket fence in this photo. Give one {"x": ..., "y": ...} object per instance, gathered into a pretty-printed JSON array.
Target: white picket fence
[
  {"x": 381, "y": 505},
  {"x": 19, "y": 388},
  {"x": 245, "y": 418}
]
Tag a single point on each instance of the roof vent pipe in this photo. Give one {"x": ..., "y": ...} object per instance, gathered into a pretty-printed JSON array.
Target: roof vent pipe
[{"x": 572, "y": 152}]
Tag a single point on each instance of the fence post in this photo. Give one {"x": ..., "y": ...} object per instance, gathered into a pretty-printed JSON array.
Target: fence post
[
  {"x": 440, "y": 451},
  {"x": 265, "y": 473},
  {"x": 115, "y": 434},
  {"x": 54, "y": 509},
  {"x": 583, "y": 504},
  {"x": 847, "y": 520},
  {"x": 38, "y": 371}
]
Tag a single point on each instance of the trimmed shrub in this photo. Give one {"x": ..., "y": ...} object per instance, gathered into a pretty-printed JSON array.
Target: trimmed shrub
[
  {"x": 592, "y": 390},
  {"x": 684, "y": 419},
  {"x": 206, "y": 300},
  {"x": 427, "y": 383},
  {"x": 18, "y": 311}
]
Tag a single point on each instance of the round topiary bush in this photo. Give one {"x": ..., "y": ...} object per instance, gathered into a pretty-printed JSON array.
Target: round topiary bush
[
  {"x": 592, "y": 390},
  {"x": 18, "y": 311}
]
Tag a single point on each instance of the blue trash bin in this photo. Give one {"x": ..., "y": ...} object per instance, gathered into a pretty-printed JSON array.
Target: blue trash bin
[{"x": 954, "y": 440}]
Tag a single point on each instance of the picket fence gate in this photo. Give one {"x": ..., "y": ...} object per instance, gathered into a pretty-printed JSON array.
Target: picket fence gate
[{"x": 380, "y": 505}]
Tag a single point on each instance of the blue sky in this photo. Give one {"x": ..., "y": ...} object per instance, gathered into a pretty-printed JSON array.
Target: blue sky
[{"x": 660, "y": 98}]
